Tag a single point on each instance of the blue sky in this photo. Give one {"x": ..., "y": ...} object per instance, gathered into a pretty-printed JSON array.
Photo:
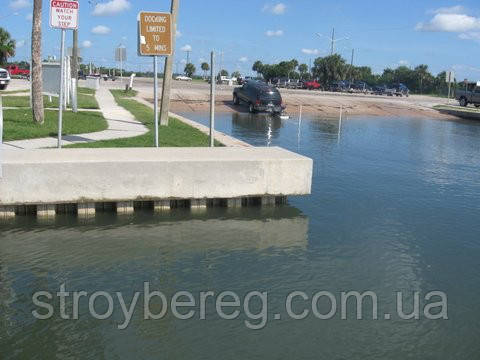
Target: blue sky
[{"x": 443, "y": 34}]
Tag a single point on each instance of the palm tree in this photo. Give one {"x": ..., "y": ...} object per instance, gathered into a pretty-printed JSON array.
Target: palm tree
[
  {"x": 7, "y": 46},
  {"x": 205, "y": 68},
  {"x": 330, "y": 68},
  {"x": 257, "y": 67},
  {"x": 303, "y": 68},
  {"x": 189, "y": 69},
  {"x": 37, "y": 98},
  {"x": 422, "y": 72}
]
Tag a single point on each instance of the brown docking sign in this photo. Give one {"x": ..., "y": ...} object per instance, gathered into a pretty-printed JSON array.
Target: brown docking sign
[{"x": 155, "y": 34}]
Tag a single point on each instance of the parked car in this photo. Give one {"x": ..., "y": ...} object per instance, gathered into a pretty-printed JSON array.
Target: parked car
[
  {"x": 384, "y": 90},
  {"x": 16, "y": 71},
  {"x": 361, "y": 86},
  {"x": 183, "y": 78},
  {"x": 294, "y": 84},
  {"x": 401, "y": 90},
  {"x": 4, "y": 79},
  {"x": 259, "y": 96},
  {"x": 338, "y": 86},
  {"x": 312, "y": 85},
  {"x": 469, "y": 95}
]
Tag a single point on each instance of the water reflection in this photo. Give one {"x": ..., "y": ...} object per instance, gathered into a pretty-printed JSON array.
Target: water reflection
[{"x": 395, "y": 207}]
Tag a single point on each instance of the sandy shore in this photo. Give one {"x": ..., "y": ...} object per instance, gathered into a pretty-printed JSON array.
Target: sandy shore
[{"x": 194, "y": 97}]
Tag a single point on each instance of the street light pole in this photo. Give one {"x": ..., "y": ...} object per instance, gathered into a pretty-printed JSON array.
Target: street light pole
[{"x": 333, "y": 41}]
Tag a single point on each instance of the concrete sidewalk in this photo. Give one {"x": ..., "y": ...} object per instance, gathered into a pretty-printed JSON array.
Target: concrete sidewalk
[{"x": 121, "y": 124}]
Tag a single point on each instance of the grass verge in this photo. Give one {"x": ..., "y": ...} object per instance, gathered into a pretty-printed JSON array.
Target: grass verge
[
  {"x": 86, "y": 91},
  {"x": 457, "y": 108},
  {"x": 176, "y": 134},
  {"x": 84, "y": 102},
  {"x": 13, "y": 92},
  {"x": 18, "y": 124}
]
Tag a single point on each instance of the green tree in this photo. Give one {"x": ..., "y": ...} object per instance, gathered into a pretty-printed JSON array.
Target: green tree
[
  {"x": 223, "y": 72},
  {"x": 236, "y": 74},
  {"x": 303, "y": 69},
  {"x": 205, "y": 67},
  {"x": 330, "y": 68},
  {"x": 257, "y": 67},
  {"x": 189, "y": 69},
  {"x": 422, "y": 74},
  {"x": 7, "y": 46}
]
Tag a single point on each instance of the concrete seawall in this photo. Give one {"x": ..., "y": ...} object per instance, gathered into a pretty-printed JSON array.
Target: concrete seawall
[{"x": 53, "y": 180}]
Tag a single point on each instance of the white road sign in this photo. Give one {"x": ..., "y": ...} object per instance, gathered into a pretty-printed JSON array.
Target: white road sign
[
  {"x": 64, "y": 14},
  {"x": 450, "y": 78}
]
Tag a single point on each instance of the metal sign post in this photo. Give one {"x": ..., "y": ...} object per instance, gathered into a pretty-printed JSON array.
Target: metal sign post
[
  {"x": 64, "y": 16},
  {"x": 155, "y": 39},
  {"x": 450, "y": 79},
  {"x": 121, "y": 57},
  {"x": 155, "y": 97},
  {"x": 60, "y": 101},
  {"x": 212, "y": 99}
]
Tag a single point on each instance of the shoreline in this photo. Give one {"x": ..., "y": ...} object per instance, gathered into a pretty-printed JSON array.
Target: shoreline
[{"x": 321, "y": 108}]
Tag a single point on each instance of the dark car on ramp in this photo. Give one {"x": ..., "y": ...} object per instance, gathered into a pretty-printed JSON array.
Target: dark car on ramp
[{"x": 259, "y": 96}]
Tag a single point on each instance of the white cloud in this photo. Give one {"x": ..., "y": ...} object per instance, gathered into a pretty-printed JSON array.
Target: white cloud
[
  {"x": 450, "y": 10},
  {"x": 243, "y": 59},
  {"x": 87, "y": 44},
  {"x": 201, "y": 60},
  {"x": 178, "y": 34},
  {"x": 19, "y": 4},
  {"x": 186, "y": 48},
  {"x": 470, "y": 36},
  {"x": 276, "y": 9},
  {"x": 311, "y": 51},
  {"x": 450, "y": 19},
  {"x": 20, "y": 43},
  {"x": 403, "y": 63},
  {"x": 271, "y": 33},
  {"x": 101, "y": 30},
  {"x": 29, "y": 17},
  {"x": 110, "y": 8},
  {"x": 183, "y": 61}
]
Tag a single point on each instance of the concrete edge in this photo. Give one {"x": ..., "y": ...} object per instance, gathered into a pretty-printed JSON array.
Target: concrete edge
[{"x": 225, "y": 139}]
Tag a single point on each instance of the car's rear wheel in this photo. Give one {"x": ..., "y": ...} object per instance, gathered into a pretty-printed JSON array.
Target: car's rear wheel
[
  {"x": 3, "y": 87},
  {"x": 251, "y": 108},
  {"x": 477, "y": 106},
  {"x": 463, "y": 102},
  {"x": 236, "y": 100}
]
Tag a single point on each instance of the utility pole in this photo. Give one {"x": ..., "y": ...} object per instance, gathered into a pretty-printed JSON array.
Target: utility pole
[
  {"x": 333, "y": 41},
  {"x": 351, "y": 67},
  {"x": 168, "y": 74}
]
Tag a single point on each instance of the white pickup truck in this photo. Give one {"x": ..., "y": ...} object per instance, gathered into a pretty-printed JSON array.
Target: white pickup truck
[{"x": 4, "y": 79}]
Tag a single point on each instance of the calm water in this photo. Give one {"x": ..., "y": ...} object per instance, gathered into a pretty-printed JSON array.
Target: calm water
[{"x": 395, "y": 207}]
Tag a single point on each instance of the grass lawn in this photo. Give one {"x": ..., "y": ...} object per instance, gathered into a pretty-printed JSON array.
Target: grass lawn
[
  {"x": 18, "y": 124},
  {"x": 84, "y": 102},
  {"x": 469, "y": 109},
  {"x": 86, "y": 91},
  {"x": 13, "y": 92},
  {"x": 176, "y": 134}
]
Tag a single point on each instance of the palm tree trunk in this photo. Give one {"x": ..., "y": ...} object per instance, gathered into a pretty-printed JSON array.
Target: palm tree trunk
[{"x": 37, "y": 98}]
